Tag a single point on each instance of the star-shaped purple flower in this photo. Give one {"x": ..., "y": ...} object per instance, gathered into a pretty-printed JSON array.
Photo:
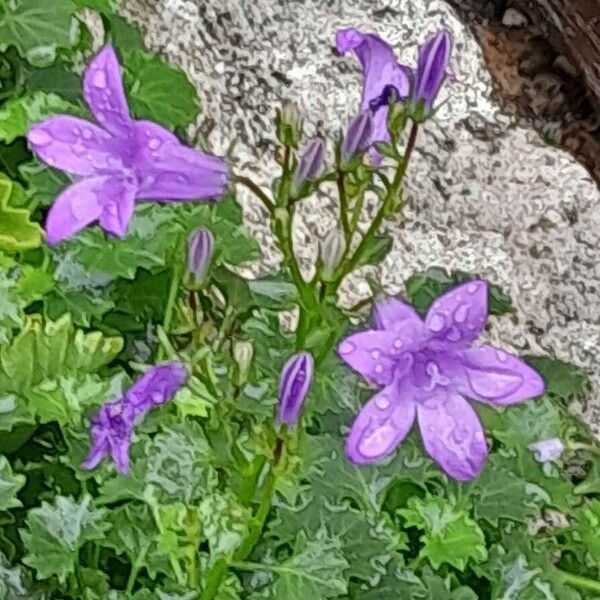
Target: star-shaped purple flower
[
  {"x": 381, "y": 72},
  {"x": 118, "y": 161},
  {"x": 426, "y": 369},
  {"x": 112, "y": 427}
]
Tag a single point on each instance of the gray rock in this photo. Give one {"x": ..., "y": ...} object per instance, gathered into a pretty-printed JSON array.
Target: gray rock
[
  {"x": 484, "y": 195},
  {"x": 513, "y": 18}
]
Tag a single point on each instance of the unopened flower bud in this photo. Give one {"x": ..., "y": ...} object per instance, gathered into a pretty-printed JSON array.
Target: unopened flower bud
[
  {"x": 289, "y": 125},
  {"x": 294, "y": 384},
  {"x": 547, "y": 450},
  {"x": 358, "y": 136},
  {"x": 201, "y": 245},
  {"x": 332, "y": 250},
  {"x": 242, "y": 355},
  {"x": 434, "y": 56},
  {"x": 311, "y": 165}
]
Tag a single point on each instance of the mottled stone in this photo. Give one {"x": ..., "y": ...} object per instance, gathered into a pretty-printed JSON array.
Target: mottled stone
[{"x": 484, "y": 195}]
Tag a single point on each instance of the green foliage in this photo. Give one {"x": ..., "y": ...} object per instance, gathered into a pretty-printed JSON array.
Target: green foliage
[
  {"x": 17, "y": 232},
  {"x": 10, "y": 484}
]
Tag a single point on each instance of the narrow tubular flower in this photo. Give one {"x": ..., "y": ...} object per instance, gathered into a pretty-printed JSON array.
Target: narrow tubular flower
[
  {"x": 294, "y": 384},
  {"x": 358, "y": 136},
  {"x": 432, "y": 69},
  {"x": 118, "y": 160},
  {"x": 311, "y": 165},
  {"x": 426, "y": 369},
  {"x": 201, "y": 245},
  {"x": 113, "y": 426},
  {"x": 380, "y": 69}
]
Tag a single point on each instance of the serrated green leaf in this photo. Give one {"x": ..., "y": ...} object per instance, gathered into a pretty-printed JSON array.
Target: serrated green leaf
[
  {"x": 10, "y": 484},
  {"x": 17, "y": 232},
  {"x": 124, "y": 35},
  {"x": 55, "y": 533},
  {"x": 150, "y": 84},
  {"x": 37, "y": 29},
  {"x": 18, "y": 115},
  {"x": 563, "y": 380},
  {"x": 15, "y": 582},
  {"x": 450, "y": 535},
  {"x": 585, "y": 530}
]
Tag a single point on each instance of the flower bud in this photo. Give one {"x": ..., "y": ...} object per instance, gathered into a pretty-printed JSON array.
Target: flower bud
[
  {"x": 311, "y": 165},
  {"x": 296, "y": 379},
  {"x": 358, "y": 136},
  {"x": 547, "y": 450},
  {"x": 332, "y": 250},
  {"x": 201, "y": 245},
  {"x": 242, "y": 355},
  {"x": 434, "y": 56},
  {"x": 289, "y": 125}
]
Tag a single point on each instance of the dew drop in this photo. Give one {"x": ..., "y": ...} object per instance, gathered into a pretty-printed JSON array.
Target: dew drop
[
  {"x": 181, "y": 178},
  {"x": 493, "y": 384},
  {"x": 39, "y": 137},
  {"x": 347, "y": 348},
  {"x": 99, "y": 79},
  {"x": 382, "y": 402},
  {"x": 375, "y": 354},
  {"x": 89, "y": 156},
  {"x": 76, "y": 131},
  {"x": 479, "y": 437},
  {"x": 472, "y": 288},
  {"x": 501, "y": 355},
  {"x": 157, "y": 397},
  {"x": 87, "y": 134},
  {"x": 454, "y": 334},
  {"x": 437, "y": 322},
  {"x": 378, "y": 369},
  {"x": 461, "y": 313},
  {"x": 154, "y": 144},
  {"x": 460, "y": 434},
  {"x": 377, "y": 442},
  {"x": 398, "y": 344}
]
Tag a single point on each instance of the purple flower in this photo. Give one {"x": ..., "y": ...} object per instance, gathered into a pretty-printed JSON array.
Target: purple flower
[
  {"x": 296, "y": 379},
  {"x": 118, "y": 161},
  {"x": 380, "y": 70},
  {"x": 434, "y": 56},
  {"x": 426, "y": 369},
  {"x": 201, "y": 245},
  {"x": 358, "y": 136},
  {"x": 113, "y": 425},
  {"x": 549, "y": 450},
  {"x": 310, "y": 166}
]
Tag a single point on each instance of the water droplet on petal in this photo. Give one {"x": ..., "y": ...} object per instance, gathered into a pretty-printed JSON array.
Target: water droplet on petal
[
  {"x": 87, "y": 134},
  {"x": 99, "y": 79},
  {"x": 154, "y": 144},
  {"x": 493, "y": 384},
  {"x": 460, "y": 434},
  {"x": 347, "y": 347},
  {"x": 437, "y": 322},
  {"x": 472, "y": 288},
  {"x": 461, "y": 313},
  {"x": 382, "y": 402},
  {"x": 76, "y": 131},
  {"x": 501, "y": 355},
  {"x": 181, "y": 178},
  {"x": 375, "y": 354},
  {"x": 398, "y": 344},
  {"x": 157, "y": 397},
  {"x": 454, "y": 334},
  {"x": 479, "y": 437},
  {"x": 377, "y": 442},
  {"x": 39, "y": 137},
  {"x": 378, "y": 369}
]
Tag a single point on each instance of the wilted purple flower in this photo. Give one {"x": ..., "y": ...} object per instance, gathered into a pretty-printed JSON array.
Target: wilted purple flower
[
  {"x": 296, "y": 379},
  {"x": 311, "y": 164},
  {"x": 434, "y": 56},
  {"x": 113, "y": 425},
  {"x": 380, "y": 69},
  {"x": 201, "y": 245},
  {"x": 547, "y": 450},
  {"x": 119, "y": 160},
  {"x": 426, "y": 369},
  {"x": 359, "y": 136}
]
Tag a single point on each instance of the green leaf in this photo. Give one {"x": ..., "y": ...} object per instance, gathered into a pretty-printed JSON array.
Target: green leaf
[
  {"x": 377, "y": 248},
  {"x": 10, "y": 484},
  {"x": 43, "y": 183},
  {"x": 56, "y": 80},
  {"x": 585, "y": 530},
  {"x": 425, "y": 287},
  {"x": 272, "y": 291},
  {"x": 18, "y": 115},
  {"x": 37, "y": 29},
  {"x": 55, "y": 533},
  {"x": 150, "y": 84},
  {"x": 563, "y": 380},
  {"x": 17, "y": 232},
  {"x": 15, "y": 582},
  {"x": 450, "y": 535},
  {"x": 124, "y": 35},
  {"x": 105, "y": 7}
]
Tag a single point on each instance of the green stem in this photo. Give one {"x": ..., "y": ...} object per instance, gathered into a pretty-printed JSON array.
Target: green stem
[
  {"x": 356, "y": 212},
  {"x": 214, "y": 578},
  {"x": 171, "y": 299},
  {"x": 579, "y": 581},
  {"x": 343, "y": 207},
  {"x": 255, "y": 189},
  {"x": 135, "y": 568}
]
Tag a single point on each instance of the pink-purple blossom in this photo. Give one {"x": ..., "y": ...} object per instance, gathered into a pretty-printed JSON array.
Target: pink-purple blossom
[
  {"x": 294, "y": 385},
  {"x": 113, "y": 426},
  {"x": 426, "y": 370},
  {"x": 118, "y": 160}
]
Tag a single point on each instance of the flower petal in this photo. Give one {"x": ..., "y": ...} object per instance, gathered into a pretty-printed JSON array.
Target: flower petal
[
  {"x": 372, "y": 354},
  {"x": 494, "y": 376},
  {"x": 103, "y": 91},
  {"x": 434, "y": 56},
  {"x": 169, "y": 170},
  {"x": 400, "y": 318},
  {"x": 458, "y": 317},
  {"x": 100, "y": 448},
  {"x": 74, "y": 145},
  {"x": 119, "y": 451},
  {"x": 380, "y": 426},
  {"x": 117, "y": 197},
  {"x": 380, "y": 69},
  {"x": 452, "y": 435}
]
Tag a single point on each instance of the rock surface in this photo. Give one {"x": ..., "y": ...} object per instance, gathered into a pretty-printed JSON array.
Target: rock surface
[{"x": 485, "y": 195}]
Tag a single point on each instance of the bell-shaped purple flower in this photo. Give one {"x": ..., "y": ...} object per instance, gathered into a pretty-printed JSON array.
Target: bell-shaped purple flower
[
  {"x": 294, "y": 384},
  {"x": 359, "y": 136},
  {"x": 117, "y": 160},
  {"x": 201, "y": 245},
  {"x": 426, "y": 369},
  {"x": 432, "y": 70},
  {"x": 311, "y": 165},
  {"x": 380, "y": 69},
  {"x": 112, "y": 427}
]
